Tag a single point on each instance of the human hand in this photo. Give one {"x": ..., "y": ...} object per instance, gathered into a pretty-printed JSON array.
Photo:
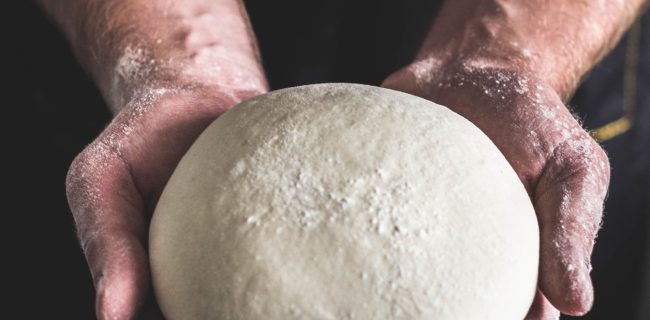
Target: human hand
[
  {"x": 564, "y": 170},
  {"x": 167, "y": 70},
  {"x": 113, "y": 185}
]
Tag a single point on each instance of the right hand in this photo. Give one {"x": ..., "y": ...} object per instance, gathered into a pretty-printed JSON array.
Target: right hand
[{"x": 114, "y": 184}]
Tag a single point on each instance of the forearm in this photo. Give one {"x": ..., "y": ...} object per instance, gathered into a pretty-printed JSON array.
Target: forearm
[
  {"x": 557, "y": 40},
  {"x": 131, "y": 47}
]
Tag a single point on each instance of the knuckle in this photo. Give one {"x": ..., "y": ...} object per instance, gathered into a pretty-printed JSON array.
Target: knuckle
[
  {"x": 91, "y": 169},
  {"x": 77, "y": 174},
  {"x": 579, "y": 158},
  {"x": 576, "y": 175}
]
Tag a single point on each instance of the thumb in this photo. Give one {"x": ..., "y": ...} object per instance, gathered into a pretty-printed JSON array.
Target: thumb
[
  {"x": 411, "y": 78},
  {"x": 108, "y": 213},
  {"x": 120, "y": 274},
  {"x": 568, "y": 200}
]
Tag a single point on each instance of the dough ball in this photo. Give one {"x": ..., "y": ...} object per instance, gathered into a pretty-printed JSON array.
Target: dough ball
[{"x": 343, "y": 201}]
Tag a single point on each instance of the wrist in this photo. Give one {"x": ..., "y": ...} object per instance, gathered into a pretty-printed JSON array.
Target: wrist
[
  {"x": 132, "y": 48},
  {"x": 557, "y": 41},
  {"x": 487, "y": 51},
  {"x": 476, "y": 92},
  {"x": 436, "y": 73},
  {"x": 184, "y": 101},
  {"x": 141, "y": 73}
]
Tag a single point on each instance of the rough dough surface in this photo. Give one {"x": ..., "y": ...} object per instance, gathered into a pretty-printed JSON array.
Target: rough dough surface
[{"x": 342, "y": 201}]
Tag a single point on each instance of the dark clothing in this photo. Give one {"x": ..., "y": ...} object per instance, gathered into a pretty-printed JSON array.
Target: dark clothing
[{"x": 301, "y": 42}]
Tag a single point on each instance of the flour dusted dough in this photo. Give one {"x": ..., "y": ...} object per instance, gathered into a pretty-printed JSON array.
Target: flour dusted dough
[{"x": 342, "y": 201}]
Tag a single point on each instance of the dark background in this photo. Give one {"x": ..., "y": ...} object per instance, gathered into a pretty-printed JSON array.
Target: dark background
[{"x": 53, "y": 110}]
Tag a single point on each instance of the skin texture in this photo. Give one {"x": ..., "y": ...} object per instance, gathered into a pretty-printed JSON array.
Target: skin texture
[
  {"x": 565, "y": 172},
  {"x": 166, "y": 71},
  {"x": 168, "y": 68},
  {"x": 507, "y": 66}
]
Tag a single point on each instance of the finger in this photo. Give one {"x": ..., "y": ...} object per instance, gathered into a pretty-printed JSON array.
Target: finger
[
  {"x": 416, "y": 76},
  {"x": 109, "y": 217},
  {"x": 542, "y": 309},
  {"x": 120, "y": 275},
  {"x": 568, "y": 201}
]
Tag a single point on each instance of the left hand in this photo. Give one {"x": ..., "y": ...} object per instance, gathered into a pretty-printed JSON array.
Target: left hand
[{"x": 564, "y": 170}]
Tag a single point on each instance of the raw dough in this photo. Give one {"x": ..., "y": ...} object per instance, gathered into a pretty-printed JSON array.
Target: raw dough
[{"x": 343, "y": 201}]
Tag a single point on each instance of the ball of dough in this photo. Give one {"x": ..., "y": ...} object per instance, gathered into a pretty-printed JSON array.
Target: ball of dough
[{"x": 343, "y": 201}]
